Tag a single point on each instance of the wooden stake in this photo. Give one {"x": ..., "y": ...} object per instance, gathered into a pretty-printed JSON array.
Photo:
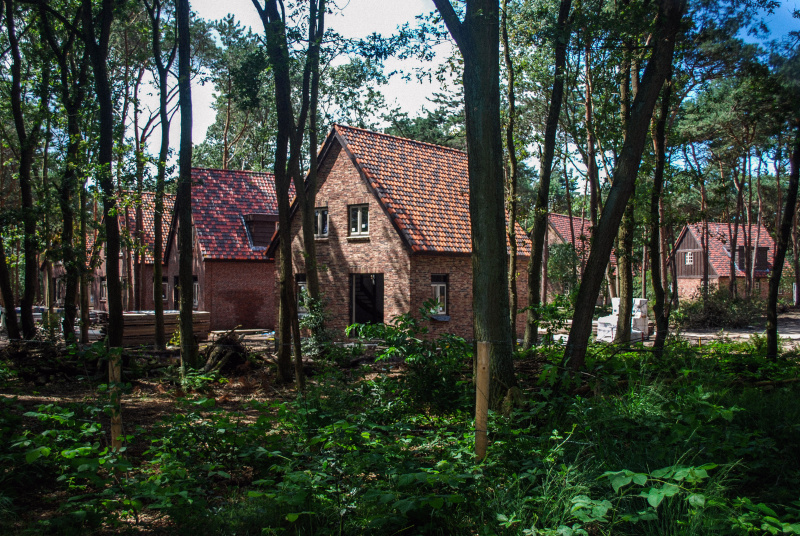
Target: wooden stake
[
  {"x": 115, "y": 381},
  {"x": 482, "y": 400}
]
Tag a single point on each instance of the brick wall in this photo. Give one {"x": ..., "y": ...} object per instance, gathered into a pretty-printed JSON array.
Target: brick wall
[
  {"x": 240, "y": 293},
  {"x": 407, "y": 278},
  {"x": 339, "y": 255},
  {"x": 459, "y": 307}
]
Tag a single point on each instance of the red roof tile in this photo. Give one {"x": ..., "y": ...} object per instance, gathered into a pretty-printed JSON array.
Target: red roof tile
[
  {"x": 148, "y": 215},
  {"x": 424, "y": 188},
  {"x": 719, "y": 244},
  {"x": 583, "y": 232},
  {"x": 220, "y": 199}
]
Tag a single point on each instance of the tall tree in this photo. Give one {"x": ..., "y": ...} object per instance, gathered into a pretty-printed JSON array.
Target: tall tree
[
  {"x": 96, "y": 34},
  {"x": 163, "y": 60},
  {"x": 183, "y": 202},
  {"x": 477, "y": 37},
  {"x": 561, "y": 40},
  {"x": 28, "y": 133},
  {"x": 73, "y": 71},
  {"x": 667, "y": 22}
]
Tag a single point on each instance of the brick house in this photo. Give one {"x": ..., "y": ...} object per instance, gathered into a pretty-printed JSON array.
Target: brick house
[
  {"x": 97, "y": 287},
  {"x": 393, "y": 231},
  {"x": 234, "y": 216},
  {"x": 578, "y": 232},
  {"x": 688, "y": 258}
]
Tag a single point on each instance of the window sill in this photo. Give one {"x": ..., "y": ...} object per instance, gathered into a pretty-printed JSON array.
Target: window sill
[
  {"x": 320, "y": 238},
  {"x": 440, "y": 318},
  {"x": 358, "y": 238}
]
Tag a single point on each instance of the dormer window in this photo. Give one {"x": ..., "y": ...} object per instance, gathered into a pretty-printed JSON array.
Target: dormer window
[{"x": 260, "y": 229}]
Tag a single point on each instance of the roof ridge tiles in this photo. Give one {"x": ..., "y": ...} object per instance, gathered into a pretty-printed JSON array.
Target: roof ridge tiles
[{"x": 391, "y": 136}]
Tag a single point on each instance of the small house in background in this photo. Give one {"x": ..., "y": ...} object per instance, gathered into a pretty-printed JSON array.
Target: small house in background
[
  {"x": 688, "y": 258},
  {"x": 563, "y": 231},
  {"x": 234, "y": 217},
  {"x": 393, "y": 232}
]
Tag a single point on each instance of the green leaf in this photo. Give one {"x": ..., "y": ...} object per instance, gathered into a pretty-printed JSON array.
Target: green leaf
[
  {"x": 291, "y": 518},
  {"x": 436, "y": 503},
  {"x": 697, "y": 500},
  {"x": 620, "y": 480},
  {"x": 654, "y": 497},
  {"x": 33, "y": 455},
  {"x": 670, "y": 489},
  {"x": 640, "y": 479}
]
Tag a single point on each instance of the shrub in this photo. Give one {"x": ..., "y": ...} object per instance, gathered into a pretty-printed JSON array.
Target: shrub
[{"x": 721, "y": 310}]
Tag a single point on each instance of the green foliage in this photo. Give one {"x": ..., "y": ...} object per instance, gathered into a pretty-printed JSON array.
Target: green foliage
[{"x": 721, "y": 310}]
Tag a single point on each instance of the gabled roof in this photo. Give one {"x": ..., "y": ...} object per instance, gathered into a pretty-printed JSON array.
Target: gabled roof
[
  {"x": 148, "y": 222},
  {"x": 220, "y": 199},
  {"x": 583, "y": 232},
  {"x": 424, "y": 189},
  {"x": 719, "y": 246}
]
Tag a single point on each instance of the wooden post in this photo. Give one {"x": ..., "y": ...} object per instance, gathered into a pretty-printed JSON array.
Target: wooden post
[
  {"x": 115, "y": 381},
  {"x": 482, "y": 400}
]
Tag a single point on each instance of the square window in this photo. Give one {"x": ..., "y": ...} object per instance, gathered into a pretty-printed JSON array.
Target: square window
[
  {"x": 689, "y": 259},
  {"x": 439, "y": 288},
  {"x": 320, "y": 222},
  {"x": 359, "y": 220}
]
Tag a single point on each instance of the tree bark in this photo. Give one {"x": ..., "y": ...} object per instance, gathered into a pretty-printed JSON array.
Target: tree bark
[
  {"x": 627, "y": 168},
  {"x": 656, "y": 231},
  {"x": 189, "y": 353},
  {"x": 27, "y": 147},
  {"x": 478, "y": 38},
  {"x": 780, "y": 253},
  {"x": 96, "y": 37},
  {"x": 512, "y": 175},
  {"x": 541, "y": 208}
]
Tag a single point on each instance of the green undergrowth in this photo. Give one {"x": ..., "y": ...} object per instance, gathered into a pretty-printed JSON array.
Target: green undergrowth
[{"x": 697, "y": 441}]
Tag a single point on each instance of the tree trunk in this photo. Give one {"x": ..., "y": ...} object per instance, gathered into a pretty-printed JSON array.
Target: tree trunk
[
  {"x": 477, "y": 38},
  {"x": 627, "y": 168},
  {"x": 512, "y": 175},
  {"x": 189, "y": 354},
  {"x": 96, "y": 37},
  {"x": 84, "y": 272},
  {"x": 780, "y": 253},
  {"x": 12, "y": 326},
  {"x": 656, "y": 232},
  {"x": 543, "y": 195},
  {"x": 796, "y": 260},
  {"x": 27, "y": 148},
  {"x": 625, "y": 237}
]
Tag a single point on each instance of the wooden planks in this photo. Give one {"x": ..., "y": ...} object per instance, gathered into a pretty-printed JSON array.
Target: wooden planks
[{"x": 140, "y": 326}]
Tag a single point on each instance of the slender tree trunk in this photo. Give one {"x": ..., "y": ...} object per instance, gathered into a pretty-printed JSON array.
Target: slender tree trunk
[
  {"x": 96, "y": 37},
  {"x": 656, "y": 210},
  {"x": 512, "y": 174},
  {"x": 780, "y": 253},
  {"x": 84, "y": 272},
  {"x": 796, "y": 260},
  {"x": 12, "y": 326},
  {"x": 189, "y": 354},
  {"x": 704, "y": 239},
  {"x": 27, "y": 147},
  {"x": 625, "y": 238},
  {"x": 543, "y": 195},
  {"x": 627, "y": 168}
]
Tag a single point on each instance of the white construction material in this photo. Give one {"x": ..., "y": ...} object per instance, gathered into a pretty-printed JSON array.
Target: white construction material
[{"x": 607, "y": 325}]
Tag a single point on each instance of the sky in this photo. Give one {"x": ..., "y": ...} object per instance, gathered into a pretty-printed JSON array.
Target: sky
[{"x": 357, "y": 18}]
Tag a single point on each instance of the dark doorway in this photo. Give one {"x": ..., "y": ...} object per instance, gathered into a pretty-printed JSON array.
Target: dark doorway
[{"x": 366, "y": 298}]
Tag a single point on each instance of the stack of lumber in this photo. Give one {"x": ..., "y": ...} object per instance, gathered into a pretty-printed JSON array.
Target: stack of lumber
[{"x": 140, "y": 326}]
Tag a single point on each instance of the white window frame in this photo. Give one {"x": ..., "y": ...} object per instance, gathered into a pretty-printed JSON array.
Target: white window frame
[
  {"x": 195, "y": 294},
  {"x": 320, "y": 216},
  {"x": 439, "y": 289},
  {"x": 103, "y": 289},
  {"x": 689, "y": 258},
  {"x": 302, "y": 293},
  {"x": 360, "y": 210},
  {"x": 164, "y": 291}
]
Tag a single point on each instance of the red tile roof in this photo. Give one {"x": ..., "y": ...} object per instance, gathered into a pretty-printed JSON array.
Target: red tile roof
[
  {"x": 719, "y": 242},
  {"x": 148, "y": 215},
  {"x": 424, "y": 188},
  {"x": 220, "y": 199},
  {"x": 583, "y": 232}
]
